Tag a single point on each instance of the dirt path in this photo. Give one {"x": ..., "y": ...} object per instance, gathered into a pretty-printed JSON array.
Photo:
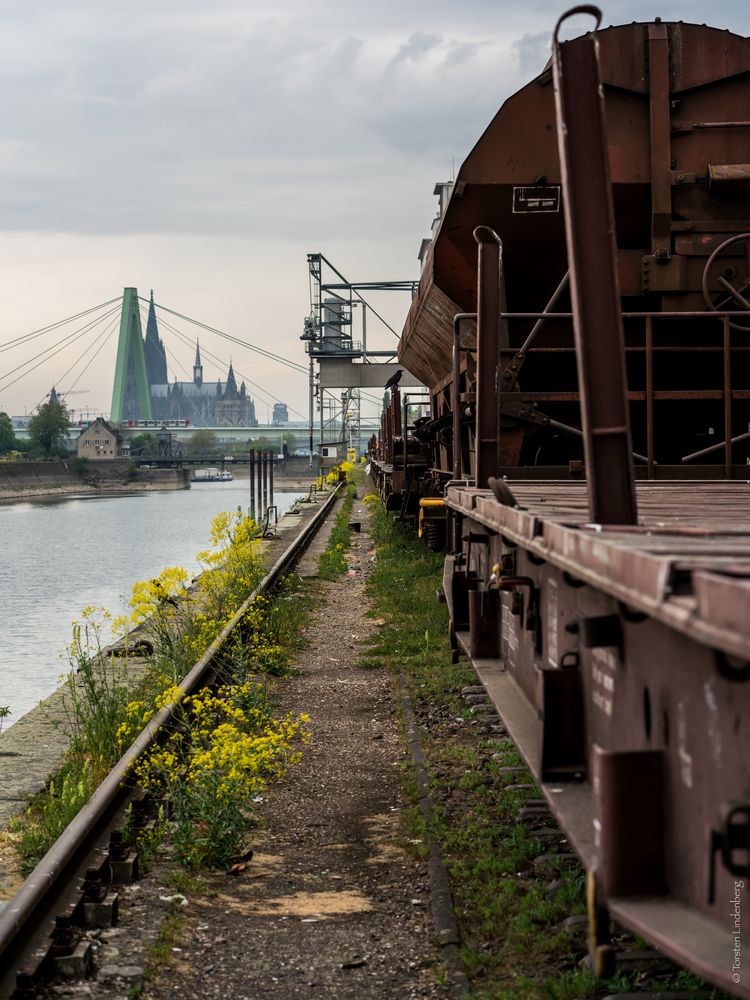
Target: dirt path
[{"x": 331, "y": 906}]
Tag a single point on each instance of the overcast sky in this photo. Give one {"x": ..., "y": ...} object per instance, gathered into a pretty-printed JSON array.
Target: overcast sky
[{"x": 203, "y": 150}]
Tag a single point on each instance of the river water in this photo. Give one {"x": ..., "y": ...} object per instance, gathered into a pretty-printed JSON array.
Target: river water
[{"x": 60, "y": 555}]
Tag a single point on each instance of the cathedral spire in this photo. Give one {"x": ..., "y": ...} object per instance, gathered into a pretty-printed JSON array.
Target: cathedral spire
[
  {"x": 231, "y": 390},
  {"x": 156, "y": 358},
  {"x": 197, "y": 367}
]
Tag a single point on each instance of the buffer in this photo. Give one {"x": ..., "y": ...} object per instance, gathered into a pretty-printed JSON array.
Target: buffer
[{"x": 131, "y": 399}]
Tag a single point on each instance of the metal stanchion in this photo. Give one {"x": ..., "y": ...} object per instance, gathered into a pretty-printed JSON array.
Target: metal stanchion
[
  {"x": 260, "y": 485},
  {"x": 252, "y": 483},
  {"x": 270, "y": 483}
]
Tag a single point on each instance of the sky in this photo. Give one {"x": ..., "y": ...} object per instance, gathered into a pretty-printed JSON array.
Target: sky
[{"x": 202, "y": 150}]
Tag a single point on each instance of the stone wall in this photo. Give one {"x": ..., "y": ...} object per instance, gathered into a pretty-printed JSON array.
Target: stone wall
[{"x": 20, "y": 479}]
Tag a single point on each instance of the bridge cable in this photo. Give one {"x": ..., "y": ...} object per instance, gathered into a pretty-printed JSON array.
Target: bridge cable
[
  {"x": 53, "y": 350},
  {"x": 220, "y": 361},
  {"x": 53, "y": 326},
  {"x": 106, "y": 334},
  {"x": 236, "y": 340}
]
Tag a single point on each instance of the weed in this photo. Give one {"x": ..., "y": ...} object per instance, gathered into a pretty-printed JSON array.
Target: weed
[
  {"x": 95, "y": 695},
  {"x": 160, "y": 952},
  {"x": 186, "y": 882},
  {"x": 51, "y": 811},
  {"x": 216, "y": 770},
  {"x": 332, "y": 562}
]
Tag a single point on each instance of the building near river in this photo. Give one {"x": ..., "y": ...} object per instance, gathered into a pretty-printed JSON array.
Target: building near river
[{"x": 100, "y": 441}]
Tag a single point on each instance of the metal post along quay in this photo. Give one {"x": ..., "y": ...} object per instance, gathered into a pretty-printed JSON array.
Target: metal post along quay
[
  {"x": 590, "y": 235},
  {"x": 251, "y": 469},
  {"x": 259, "y": 491}
]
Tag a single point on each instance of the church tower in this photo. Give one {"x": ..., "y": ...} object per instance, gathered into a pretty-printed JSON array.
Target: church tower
[
  {"x": 156, "y": 358},
  {"x": 198, "y": 367}
]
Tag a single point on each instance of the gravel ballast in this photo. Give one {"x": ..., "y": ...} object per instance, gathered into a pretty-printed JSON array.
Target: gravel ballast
[{"x": 333, "y": 904}]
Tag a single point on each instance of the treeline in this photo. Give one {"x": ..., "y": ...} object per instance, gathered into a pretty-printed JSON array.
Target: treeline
[{"x": 47, "y": 429}]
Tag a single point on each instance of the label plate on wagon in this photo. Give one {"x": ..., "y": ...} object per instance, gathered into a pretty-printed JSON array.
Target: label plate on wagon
[{"x": 533, "y": 200}]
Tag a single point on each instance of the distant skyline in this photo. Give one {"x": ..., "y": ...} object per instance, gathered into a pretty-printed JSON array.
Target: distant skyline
[{"x": 203, "y": 151}]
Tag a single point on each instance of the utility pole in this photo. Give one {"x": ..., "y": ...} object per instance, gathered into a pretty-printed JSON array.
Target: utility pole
[{"x": 309, "y": 337}]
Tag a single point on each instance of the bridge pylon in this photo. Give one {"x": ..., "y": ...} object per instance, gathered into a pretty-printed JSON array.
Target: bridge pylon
[{"x": 131, "y": 398}]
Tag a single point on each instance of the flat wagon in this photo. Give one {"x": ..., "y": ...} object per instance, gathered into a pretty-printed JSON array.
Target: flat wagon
[{"x": 582, "y": 326}]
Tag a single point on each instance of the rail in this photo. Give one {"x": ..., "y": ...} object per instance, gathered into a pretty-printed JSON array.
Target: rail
[{"x": 34, "y": 901}]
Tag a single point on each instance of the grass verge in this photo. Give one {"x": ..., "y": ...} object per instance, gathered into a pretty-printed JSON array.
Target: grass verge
[
  {"x": 511, "y": 910},
  {"x": 332, "y": 562}
]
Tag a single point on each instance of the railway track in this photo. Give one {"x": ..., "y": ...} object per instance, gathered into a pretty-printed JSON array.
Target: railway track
[{"x": 75, "y": 884}]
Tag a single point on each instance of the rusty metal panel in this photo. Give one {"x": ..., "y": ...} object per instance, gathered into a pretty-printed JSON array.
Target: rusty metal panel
[
  {"x": 426, "y": 342},
  {"x": 703, "y": 55},
  {"x": 465, "y": 498},
  {"x": 729, "y": 177},
  {"x": 661, "y": 157}
]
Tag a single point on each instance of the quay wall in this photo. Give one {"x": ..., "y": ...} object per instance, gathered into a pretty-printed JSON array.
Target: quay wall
[{"x": 19, "y": 480}]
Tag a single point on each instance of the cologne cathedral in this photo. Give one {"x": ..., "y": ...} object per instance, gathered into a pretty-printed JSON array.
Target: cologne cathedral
[{"x": 204, "y": 404}]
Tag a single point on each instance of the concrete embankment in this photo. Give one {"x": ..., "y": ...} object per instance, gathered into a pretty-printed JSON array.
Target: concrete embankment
[{"x": 19, "y": 480}]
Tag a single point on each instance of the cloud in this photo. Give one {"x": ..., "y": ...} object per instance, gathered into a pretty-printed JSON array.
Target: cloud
[
  {"x": 532, "y": 52},
  {"x": 414, "y": 50},
  {"x": 218, "y": 144}
]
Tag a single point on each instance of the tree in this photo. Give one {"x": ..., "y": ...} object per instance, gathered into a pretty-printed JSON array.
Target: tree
[
  {"x": 259, "y": 444},
  {"x": 203, "y": 442},
  {"x": 143, "y": 444},
  {"x": 48, "y": 429},
  {"x": 7, "y": 437}
]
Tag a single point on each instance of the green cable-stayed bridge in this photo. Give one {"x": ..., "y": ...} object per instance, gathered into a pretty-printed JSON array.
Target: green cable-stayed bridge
[{"x": 145, "y": 386}]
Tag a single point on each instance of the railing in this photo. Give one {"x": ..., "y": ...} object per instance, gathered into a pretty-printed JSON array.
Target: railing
[{"x": 725, "y": 320}]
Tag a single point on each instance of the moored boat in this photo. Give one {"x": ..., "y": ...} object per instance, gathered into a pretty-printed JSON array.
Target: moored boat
[{"x": 212, "y": 475}]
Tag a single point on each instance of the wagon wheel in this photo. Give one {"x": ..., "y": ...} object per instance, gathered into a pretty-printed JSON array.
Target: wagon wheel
[{"x": 734, "y": 285}]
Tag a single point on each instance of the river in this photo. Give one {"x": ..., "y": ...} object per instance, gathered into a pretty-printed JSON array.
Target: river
[{"x": 60, "y": 555}]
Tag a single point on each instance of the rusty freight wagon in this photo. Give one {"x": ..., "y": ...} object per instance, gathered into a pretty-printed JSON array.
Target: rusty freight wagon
[{"x": 583, "y": 326}]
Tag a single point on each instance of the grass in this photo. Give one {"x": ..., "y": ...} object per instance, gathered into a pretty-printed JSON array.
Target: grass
[
  {"x": 332, "y": 562},
  {"x": 160, "y": 953},
  {"x": 509, "y": 912}
]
